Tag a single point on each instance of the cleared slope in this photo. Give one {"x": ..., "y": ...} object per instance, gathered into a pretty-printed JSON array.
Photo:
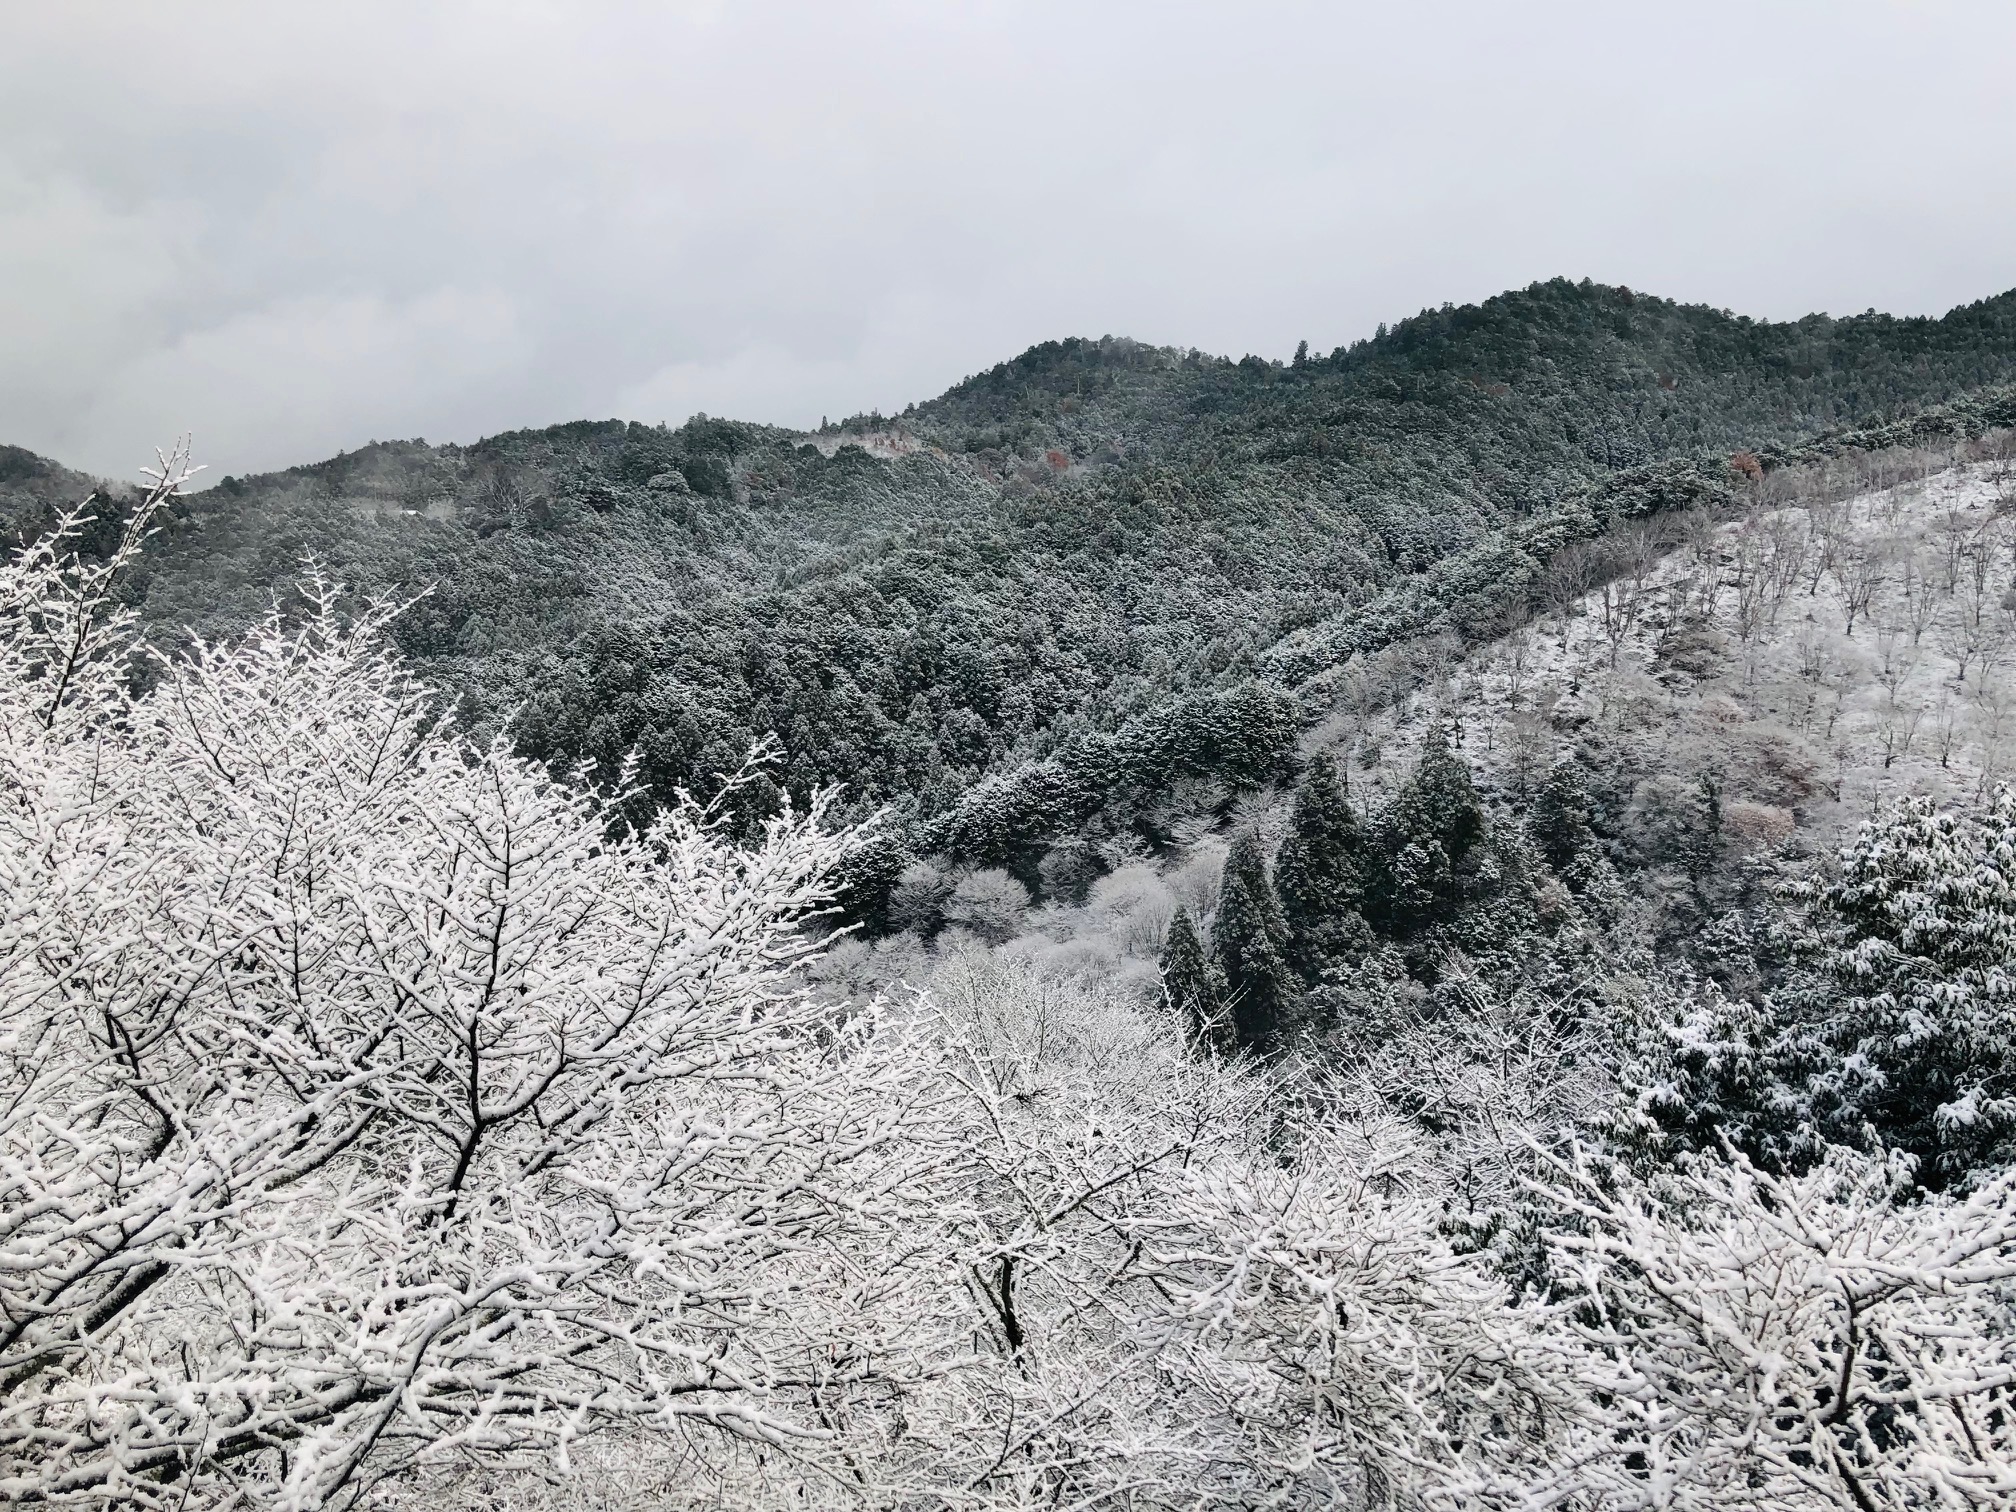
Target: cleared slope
[{"x": 1808, "y": 660}]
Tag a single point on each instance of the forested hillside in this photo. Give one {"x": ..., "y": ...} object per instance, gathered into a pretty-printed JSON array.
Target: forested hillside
[
  {"x": 1089, "y": 576},
  {"x": 1631, "y": 812},
  {"x": 384, "y": 1124},
  {"x": 1406, "y": 1013}
]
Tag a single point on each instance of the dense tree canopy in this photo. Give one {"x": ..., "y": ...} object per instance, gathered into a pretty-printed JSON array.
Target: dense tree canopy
[{"x": 1065, "y": 568}]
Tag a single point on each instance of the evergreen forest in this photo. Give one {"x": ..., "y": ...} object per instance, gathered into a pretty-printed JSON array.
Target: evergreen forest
[{"x": 1031, "y": 610}]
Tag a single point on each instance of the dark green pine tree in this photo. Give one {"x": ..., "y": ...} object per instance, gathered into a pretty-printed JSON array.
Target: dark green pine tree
[
  {"x": 1190, "y": 984},
  {"x": 1250, "y": 938},
  {"x": 1321, "y": 874},
  {"x": 1704, "y": 839},
  {"x": 1433, "y": 831},
  {"x": 1559, "y": 820}
]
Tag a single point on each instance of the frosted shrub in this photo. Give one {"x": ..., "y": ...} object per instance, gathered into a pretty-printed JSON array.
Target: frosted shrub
[{"x": 989, "y": 903}]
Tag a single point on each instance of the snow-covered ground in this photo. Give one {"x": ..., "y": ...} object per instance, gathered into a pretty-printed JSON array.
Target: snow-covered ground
[{"x": 1817, "y": 660}]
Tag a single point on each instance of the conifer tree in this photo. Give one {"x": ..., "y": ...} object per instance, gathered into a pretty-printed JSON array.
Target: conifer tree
[
  {"x": 1559, "y": 821},
  {"x": 1897, "y": 1028},
  {"x": 1250, "y": 938},
  {"x": 1190, "y": 985},
  {"x": 1704, "y": 848},
  {"x": 1321, "y": 873},
  {"x": 1915, "y": 1004},
  {"x": 1440, "y": 802},
  {"x": 1433, "y": 830}
]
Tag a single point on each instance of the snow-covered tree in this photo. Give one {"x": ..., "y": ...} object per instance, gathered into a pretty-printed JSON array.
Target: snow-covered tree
[
  {"x": 989, "y": 902},
  {"x": 1435, "y": 831},
  {"x": 1321, "y": 873},
  {"x": 370, "y": 1101},
  {"x": 1249, "y": 939},
  {"x": 1895, "y": 1028},
  {"x": 1323, "y": 1347},
  {"x": 1559, "y": 819},
  {"x": 1916, "y": 1006},
  {"x": 1191, "y": 987},
  {"x": 1742, "y": 1340}
]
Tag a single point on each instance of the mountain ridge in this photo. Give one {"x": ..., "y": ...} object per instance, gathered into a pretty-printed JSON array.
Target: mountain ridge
[{"x": 1092, "y": 538}]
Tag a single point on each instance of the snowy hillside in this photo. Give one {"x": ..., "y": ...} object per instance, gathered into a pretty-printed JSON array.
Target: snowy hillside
[
  {"x": 1827, "y": 650},
  {"x": 389, "y": 1124},
  {"x": 1816, "y": 658}
]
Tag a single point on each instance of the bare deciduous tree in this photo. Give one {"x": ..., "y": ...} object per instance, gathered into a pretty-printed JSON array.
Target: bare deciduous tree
[
  {"x": 1618, "y": 602},
  {"x": 1860, "y": 568}
]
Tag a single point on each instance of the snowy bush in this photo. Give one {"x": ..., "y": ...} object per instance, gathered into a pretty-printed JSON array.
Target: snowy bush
[{"x": 1741, "y": 1340}]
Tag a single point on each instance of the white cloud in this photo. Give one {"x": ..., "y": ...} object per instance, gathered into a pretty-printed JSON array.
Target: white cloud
[
  {"x": 300, "y": 379},
  {"x": 777, "y": 384},
  {"x": 80, "y": 282}
]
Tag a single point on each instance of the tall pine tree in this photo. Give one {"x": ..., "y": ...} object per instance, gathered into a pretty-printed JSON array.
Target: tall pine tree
[
  {"x": 1321, "y": 874},
  {"x": 1250, "y": 938},
  {"x": 1434, "y": 831},
  {"x": 1191, "y": 987}
]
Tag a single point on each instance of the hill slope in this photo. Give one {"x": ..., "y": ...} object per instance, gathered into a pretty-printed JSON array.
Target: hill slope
[{"x": 1097, "y": 542}]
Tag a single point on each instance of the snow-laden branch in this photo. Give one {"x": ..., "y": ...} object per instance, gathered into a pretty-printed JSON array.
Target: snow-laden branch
[{"x": 1744, "y": 1340}]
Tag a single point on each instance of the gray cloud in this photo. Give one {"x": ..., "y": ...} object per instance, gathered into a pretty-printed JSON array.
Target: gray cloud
[{"x": 293, "y": 229}]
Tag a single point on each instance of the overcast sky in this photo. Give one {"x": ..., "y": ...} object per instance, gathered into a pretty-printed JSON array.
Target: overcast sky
[{"x": 293, "y": 229}]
